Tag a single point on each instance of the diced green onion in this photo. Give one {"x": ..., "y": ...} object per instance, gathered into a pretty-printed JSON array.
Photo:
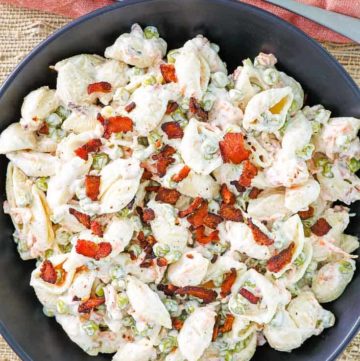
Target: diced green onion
[
  {"x": 167, "y": 344},
  {"x": 143, "y": 141},
  {"x": 316, "y": 126},
  {"x": 161, "y": 250},
  {"x": 354, "y": 165},
  {"x": 191, "y": 306},
  {"x": 151, "y": 32},
  {"x": 171, "y": 305},
  {"x": 306, "y": 152},
  {"x": 48, "y": 253},
  {"x": 66, "y": 248},
  {"x": 61, "y": 307},
  {"x": 173, "y": 256},
  {"x": 122, "y": 301},
  {"x": 345, "y": 267},
  {"x": 151, "y": 80},
  {"x": 100, "y": 160},
  {"x": 54, "y": 120},
  {"x": 128, "y": 321},
  {"x": 327, "y": 171},
  {"x": 117, "y": 272},
  {"x": 99, "y": 290},
  {"x": 62, "y": 112},
  {"x": 90, "y": 327},
  {"x": 171, "y": 56},
  {"x": 42, "y": 183}
]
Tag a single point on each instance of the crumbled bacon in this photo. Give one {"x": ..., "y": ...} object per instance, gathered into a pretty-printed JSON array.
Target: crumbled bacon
[
  {"x": 173, "y": 130},
  {"x": 228, "y": 282},
  {"x": 184, "y": 172},
  {"x": 230, "y": 213},
  {"x": 177, "y": 323},
  {"x": 192, "y": 207},
  {"x": 216, "y": 329},
  {"x": 202, "y": 238},
  {"x": 166, "y": 195},
  {"x": 147, "y": 175},
  {"x": 171, "y": 107},
  {"x": 249, "y": 296},
  {"x": 148, "y": 215},
  {"x": 238, "y": 187},
  {"x": 204, "y": 294},
  {"x": 117, "y": 124},
  {"x": 212, "y": 220},
  {"x": 226, "y": 195},
  {"x": 99, "y": 87},
  {"x": 44, "y": 129},
  {"x": 161, "y": 262},
  {"x": 92, "y": 186},
  {"x": 169, "y": 290},
  {"x": 152, "y": 189},
  {"x": 90, "y": 304},
  {"x": 92, "y": 145},
  {"x": 168, "y": 73},
  {"x": 100, "y": 119},
  {"x": 279, "y": 261},
  {"x": 233, "y": 149},
  {"x": 195, "y": 109},
  {"x": 259, "y": 236},
  {"x": 131, "y": 106},
  {"x": 321, "y": 227},
  {"x": 306, "y": 214},
  {"x": 196, "y": 219},
  {"x": 254, "y": 193},
  {"x": 82, "y": 218},
  {"x": 48, "y": 272},
  {"x": 93, "y": 250},
  {"x": 228, "y": 324},
  {"x": 146, "y": 263},
  {"x": 249, "y": 171},
  {"x": 96, "y": 228},
  {"x": 164, "y": 159}
]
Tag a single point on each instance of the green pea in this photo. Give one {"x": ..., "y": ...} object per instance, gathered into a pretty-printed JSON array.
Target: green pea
[
  {"x": 151, "y": 32},
  {"x": 100, "y": 160},
  {"x": 354, "y": 165},
  {"x": 42, "y": 183},
  {"x": 99, "y": 291},
  {"x": 167, "y": 344},
  {"x": 327, "y": 171},
  {"x": 90, "y": 327}
]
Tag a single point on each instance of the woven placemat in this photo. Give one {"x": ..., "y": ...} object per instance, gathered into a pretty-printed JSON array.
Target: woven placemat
[{"x": 21, "y": 30}]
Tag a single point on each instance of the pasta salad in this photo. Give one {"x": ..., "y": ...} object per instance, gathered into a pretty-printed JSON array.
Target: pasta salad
[{"x": 177, "y": 212}]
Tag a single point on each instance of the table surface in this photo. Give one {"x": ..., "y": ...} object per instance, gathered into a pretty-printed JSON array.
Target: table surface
[{"x": 22, "y": 29}]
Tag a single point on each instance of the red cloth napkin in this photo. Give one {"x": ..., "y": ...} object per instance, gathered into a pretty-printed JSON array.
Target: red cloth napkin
[{"x": 75, "y": 8}]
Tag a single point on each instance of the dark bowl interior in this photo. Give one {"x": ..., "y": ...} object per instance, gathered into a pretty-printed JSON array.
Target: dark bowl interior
[{"x": 241, "y": 31}]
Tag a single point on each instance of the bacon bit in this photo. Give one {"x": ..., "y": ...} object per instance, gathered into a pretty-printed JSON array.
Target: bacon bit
[
  {"x": 100, "y": 87},
  {"x": 173, "y": 130},
  {"x": 92, "y": 145},
  {"x": 228, "y": 324},
  {"x": 152, "y": 189},
  {"x": 195, "y": 109},
  {"x": 190, "y": 256},
  {"x": 184, "y": 172},
  {"x": 238, "y": 187},
  {"x": 147, "y": 175},
  {"x": 148, "y": 215},
  {"x": 92, "y": 186},
  {"x": 216, "y": 329},
  {"x": 168, "y": 73},
  {"x": 164, "y": 159},
  {"x": 196, "y": 219},
  {"x": 131, "y": 106},
  {"x": 96, "y": 228},
  {"x": 82, "y": 218},
  {"x": 48, "y": 272},
  {"x": 146, "y": 263},
  {"x": 226, "y": 195},
  {"x": 228, "y": 282},
  {"x": 192, "y": 207},
  {"x": 249, "y": 171},
  {"x": 132, "y": 255},
  {"x": 44, "y": 129},
  {"x": 171, "y": 107},
  {"x": 90, "y": 304},
  {"x": 100, "y": 119},
  {"x": 166, "y": 195},
  {"x": 321, "y": 227},
  {"x": 202, "y": 238},
  {"x": 306, "y": 214},
  {"x": 209, "y": 284},
  {"x": 161, "y": 262},
  {"x": 279, "y": 261},
  {"x": 254, "y": 193},
  {"x": 230, "y": 213},
  {"x": 232, "y": 148},
  {"x": 203, "y": 293},
  {"x": 214, "y": 258},
  {"x": 259, "y": 236},
  {"x": 212, "y": 220},
  {"x": 249, "y": 296},
  {"x": 93, "y": 250},
  {"x": 169, "y": 290},
  {"x": 117, "y": 124},
  {"x": 177, "y": 324}
]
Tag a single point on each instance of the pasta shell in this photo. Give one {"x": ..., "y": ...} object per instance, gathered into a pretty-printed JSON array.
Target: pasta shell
[{"x": 15, "y": 137}]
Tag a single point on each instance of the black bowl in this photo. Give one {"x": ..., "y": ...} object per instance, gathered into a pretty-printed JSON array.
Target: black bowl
[{"x": 241, "y": 31}]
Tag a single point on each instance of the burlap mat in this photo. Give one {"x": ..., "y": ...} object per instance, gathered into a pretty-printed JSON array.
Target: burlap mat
[{"x": 21, "y": 30}]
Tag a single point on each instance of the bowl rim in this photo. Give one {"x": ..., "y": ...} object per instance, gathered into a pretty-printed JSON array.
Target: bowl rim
[{"x": 15, "y": 346}]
